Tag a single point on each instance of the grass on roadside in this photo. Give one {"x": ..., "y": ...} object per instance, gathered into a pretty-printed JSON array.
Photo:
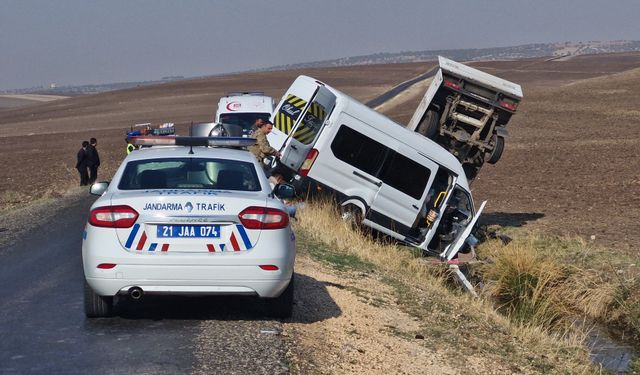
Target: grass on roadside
[
  {"x": 449, "y": 317},
  {"x": 553, "y": 282}
]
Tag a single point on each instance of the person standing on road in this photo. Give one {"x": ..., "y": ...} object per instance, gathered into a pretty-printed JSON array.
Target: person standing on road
[
  {"x": 93, "y": 160},
  {"x": 81, "y": 164},
  {"x": 262, "y": 148}
]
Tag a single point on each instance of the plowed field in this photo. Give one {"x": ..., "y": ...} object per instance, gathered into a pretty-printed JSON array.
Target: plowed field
[{"x": 571, "y": 165}]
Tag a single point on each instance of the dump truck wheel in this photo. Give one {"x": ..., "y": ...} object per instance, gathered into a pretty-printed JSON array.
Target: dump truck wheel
[
  {"x": 429, "y": 125},
  {"x": 497, "y": 150}
]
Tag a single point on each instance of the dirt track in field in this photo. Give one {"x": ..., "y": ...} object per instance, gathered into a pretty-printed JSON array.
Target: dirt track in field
[{"x": 571, "y": 164}]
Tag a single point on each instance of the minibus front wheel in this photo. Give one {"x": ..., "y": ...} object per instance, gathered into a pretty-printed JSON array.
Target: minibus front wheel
[{"x": 352, "y": 215}]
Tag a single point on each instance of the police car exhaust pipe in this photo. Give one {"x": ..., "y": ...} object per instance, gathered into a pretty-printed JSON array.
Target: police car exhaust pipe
[{"x": 135, "y": 293}]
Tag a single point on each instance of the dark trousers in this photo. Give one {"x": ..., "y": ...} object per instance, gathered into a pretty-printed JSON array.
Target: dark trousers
[
  {"x": 84, "y": 176},
  {"x": 93, "y": 174}
]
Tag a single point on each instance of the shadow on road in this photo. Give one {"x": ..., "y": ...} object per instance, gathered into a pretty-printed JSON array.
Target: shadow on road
[
  {"x": 312, "y": 303},
  {"x": 509, "y": 219}
]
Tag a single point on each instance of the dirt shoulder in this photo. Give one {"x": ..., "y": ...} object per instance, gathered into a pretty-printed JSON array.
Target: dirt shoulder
[
  {"x": 354, "y": 317},
  {"x": 367, "y": 334},
  {"x": 19, "y": 220}
]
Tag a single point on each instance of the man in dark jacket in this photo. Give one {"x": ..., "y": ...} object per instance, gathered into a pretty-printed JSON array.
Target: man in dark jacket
[
  {"x": 93, "y": 160},
  {"x": 81, "y": 164}
]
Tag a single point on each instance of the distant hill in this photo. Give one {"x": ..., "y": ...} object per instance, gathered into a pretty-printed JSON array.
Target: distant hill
[
  {"x": 498, "y": 53},
  {"x": 89, "y": 89}
]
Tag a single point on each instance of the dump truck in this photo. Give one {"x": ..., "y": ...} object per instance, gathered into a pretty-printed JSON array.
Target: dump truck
[{"x": 466, "y": 111}]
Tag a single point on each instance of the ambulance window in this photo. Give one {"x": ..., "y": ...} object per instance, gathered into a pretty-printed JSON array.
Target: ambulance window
[
  {"x": 245, "y": 120},
  {"x": 358, "y": 150},
  {"x": 405, "y": 175}
]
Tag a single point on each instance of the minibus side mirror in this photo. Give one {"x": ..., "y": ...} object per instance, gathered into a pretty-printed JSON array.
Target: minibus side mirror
[{"x": 284, "y": 191}]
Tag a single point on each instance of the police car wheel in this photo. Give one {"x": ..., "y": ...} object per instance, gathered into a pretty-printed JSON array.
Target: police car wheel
[
  {"x": 282, "y": 307},
  {"x": 96, "y": 306}
]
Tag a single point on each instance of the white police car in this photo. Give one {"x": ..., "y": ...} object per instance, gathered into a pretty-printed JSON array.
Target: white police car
[{"x": 188, "y": 219}]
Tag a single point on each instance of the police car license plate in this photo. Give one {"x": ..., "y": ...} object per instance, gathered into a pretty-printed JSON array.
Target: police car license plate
[{"x": 188, "y": 231}]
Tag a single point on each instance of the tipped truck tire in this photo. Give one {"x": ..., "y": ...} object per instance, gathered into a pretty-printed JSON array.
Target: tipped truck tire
[
  {"x": 498, "y": 147},
  {"x": 96, "y": 306},
  {"x": 429, "y": 125}
]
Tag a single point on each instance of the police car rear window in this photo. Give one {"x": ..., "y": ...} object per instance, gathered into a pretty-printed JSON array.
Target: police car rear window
[{"x": 189, "y": 173}]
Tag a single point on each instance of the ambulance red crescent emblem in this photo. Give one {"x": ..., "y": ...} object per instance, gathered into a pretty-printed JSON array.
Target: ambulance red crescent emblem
[{"x": 233, "y": 106}]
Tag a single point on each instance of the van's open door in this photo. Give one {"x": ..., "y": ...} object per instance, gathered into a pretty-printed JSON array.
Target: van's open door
[
  {"x": 455, "y": 246},
  {"x": 301, "y": 114}
]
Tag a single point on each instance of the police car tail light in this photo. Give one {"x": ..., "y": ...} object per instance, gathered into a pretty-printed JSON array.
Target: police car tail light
[
  {"x": 308, "y": 162},
  {"x": 263, "y": 218},
  {"x": 113, "y": 217}
]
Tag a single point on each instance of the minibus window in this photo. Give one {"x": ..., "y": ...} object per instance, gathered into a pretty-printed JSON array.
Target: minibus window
[
  {"x": 358, "y": 150},
  {"x": 405, "y": 175}
]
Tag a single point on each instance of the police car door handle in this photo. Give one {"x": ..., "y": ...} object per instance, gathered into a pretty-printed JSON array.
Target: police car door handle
[
  {"x": 294, "y": 147},
  {"x": 414, "y": 206},
  {"x": 377, "y": 183}
]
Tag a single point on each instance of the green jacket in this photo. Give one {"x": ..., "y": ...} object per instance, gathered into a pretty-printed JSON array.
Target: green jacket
[{"x": 261, "y": 149}]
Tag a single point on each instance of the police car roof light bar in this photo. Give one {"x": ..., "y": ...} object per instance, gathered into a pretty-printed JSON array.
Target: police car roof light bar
[{"x": 191, "y": 141}]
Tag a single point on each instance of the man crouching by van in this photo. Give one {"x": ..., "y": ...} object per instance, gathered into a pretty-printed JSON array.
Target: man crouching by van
[{"x": 262, "y": 148}]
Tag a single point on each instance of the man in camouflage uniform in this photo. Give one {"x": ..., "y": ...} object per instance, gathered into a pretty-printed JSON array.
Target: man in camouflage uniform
[{"x": 262, "y": 149}]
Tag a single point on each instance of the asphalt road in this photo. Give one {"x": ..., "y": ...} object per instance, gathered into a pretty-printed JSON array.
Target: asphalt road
[
  {"x": 43, "y": 328},
  {"x": 393, "y": 92}
]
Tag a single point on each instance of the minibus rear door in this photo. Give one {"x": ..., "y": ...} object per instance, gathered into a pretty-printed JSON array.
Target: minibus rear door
[{"x": 306, "y": 127}]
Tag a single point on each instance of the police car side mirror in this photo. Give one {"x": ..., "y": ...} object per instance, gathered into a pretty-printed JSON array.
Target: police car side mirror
[
  {"x": 284, "y": 191},
  {"x": 98, "y": 188}
]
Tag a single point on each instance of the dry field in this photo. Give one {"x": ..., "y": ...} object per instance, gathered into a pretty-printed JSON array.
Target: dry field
[
  {"x": 570, "y": 166},
  {"x": 23, "y": 100}
]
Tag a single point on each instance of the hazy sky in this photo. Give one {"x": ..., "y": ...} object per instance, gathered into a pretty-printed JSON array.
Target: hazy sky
[{"x": 72, "y": 42}]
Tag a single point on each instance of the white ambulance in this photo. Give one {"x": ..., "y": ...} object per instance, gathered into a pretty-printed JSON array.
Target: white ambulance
[
  {"x": 238, "y": 111},
  {"x": 383, "y": 175}
]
